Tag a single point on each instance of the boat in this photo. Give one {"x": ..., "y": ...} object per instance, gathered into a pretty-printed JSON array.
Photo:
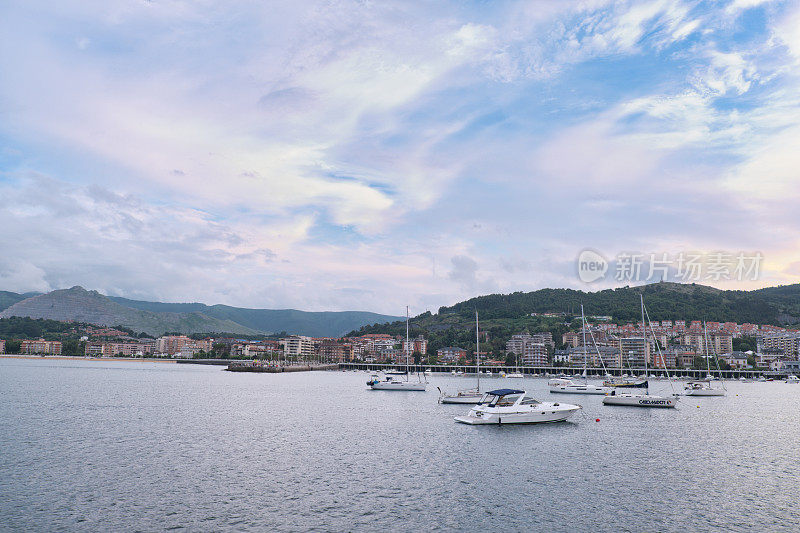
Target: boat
[
  {"x": 626, "y": 383},
  {"x": 703, "y": 387},
  {"x": 514, "y": 406},
  {"x": 453, "y": 372},
  {"x": 646, "y": 399},
  {"x": 468, "y": 396},
  {"x": 502, "y": 374},
  {"x": 791, "y": 378},
  {"x": 515, "y": 375},
  {"x": 395, "y": 382},
  {"x": 639, "y": 400},
  {"x": 428, "y": 371},
  {"x": 567, "y": 386}
]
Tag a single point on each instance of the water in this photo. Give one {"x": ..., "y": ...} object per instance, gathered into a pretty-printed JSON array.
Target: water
[{"x": 108, "y": 446}]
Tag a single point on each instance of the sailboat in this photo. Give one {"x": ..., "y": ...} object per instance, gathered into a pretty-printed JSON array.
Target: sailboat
[
  {"x": 393, "y": 382},
  {"x": 567, "y": 386},
  {"x": 703, "y": 387},
  {"x": 646, "y": 399},
  {"x": 468, "y": 396},
  {"x": 516, "y": 374}
]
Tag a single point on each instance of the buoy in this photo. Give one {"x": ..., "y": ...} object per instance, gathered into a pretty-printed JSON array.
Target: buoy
[
  {"x": 597, "y": 420},
  {"x": 698, "y": 407}
]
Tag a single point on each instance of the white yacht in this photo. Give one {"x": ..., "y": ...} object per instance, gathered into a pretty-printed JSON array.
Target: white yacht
[
  {"x": 468, "y": 396},
  {"x": 646, "y": 399},
  {"x": 567, "y": 386},
  {"x": 791, "y": 378},
  {"x": 396, "y": 382},
  {"x": 639, "y": 400},
  {"x": 512, "y": 406},
  {"x": 702, "y": 388}
]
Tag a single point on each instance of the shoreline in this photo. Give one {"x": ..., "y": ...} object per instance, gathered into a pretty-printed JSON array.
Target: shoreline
[{"x": 95, "y": 359}]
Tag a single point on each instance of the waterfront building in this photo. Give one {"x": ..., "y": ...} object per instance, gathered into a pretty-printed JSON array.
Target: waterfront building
[
  {"x": 785, "y": 343},
  {"x": 633, "y": 351},
  {"x": 416, "y": 345},
  {"x": 534, "y": 354},
  {"x": 331, "y": 351},
  {"x": 40, "y": 347},
  {"x": 721, "y": 343},
  {"x": 450, "y": 354},
  {"x": 181, "y": 345},
  {"x": 298, "y": 347}
]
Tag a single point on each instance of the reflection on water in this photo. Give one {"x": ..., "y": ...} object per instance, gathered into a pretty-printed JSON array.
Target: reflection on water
[{"x": 111, "y": 446}]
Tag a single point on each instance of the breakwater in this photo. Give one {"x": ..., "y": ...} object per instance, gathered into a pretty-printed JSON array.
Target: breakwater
[{"x": 250, "y": 366}]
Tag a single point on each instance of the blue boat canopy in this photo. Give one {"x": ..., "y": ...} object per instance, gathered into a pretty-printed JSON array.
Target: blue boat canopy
[{"x": 504, "y": 392}]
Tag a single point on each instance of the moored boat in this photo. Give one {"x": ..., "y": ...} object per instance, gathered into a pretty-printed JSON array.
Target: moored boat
[{"x": 514, "y": 406}]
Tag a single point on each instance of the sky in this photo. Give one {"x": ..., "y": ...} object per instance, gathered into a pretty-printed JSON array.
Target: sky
[{"x": 360, "y": 155}]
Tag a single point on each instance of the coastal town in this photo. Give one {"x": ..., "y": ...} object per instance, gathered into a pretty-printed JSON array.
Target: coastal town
[{"x": 671, "y": 344}]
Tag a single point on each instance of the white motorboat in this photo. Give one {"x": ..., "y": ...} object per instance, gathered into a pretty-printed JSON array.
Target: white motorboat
[
  {"x": 392, "y": 381},
  {"x": 567, "y": 386},
  {"x": 468, "y": 396},
  {"x": 639, "y": 400},
  {"x": 513, "y": 406},
  {"x": 428, "y": 371},
  {"x": 701, "y": 388},
  {"x": 453, "y": 372},
  {"x": 791, "y": 378},
  {"x": 515, "y": 375}
]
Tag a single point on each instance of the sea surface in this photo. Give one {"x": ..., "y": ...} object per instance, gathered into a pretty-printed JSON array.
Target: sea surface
[{"x": 144, "y": 446}]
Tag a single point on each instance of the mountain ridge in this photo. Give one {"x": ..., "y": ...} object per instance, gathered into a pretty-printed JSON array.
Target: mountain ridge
[{"x": 155, "y": 318}]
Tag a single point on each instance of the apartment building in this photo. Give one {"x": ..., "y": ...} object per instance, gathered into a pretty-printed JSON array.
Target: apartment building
[
  {"x": 785, "y": 343},
  {"x": 332, "y": 351},
  {"x": 633, "y": 351},
  {"x": 40, "y": 347},
  {"x": 298, "y": 347},
  {"x": 416, "y": 345}
]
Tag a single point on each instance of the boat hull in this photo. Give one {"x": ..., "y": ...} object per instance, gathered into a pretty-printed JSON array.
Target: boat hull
[
  {"x": 464, "y": 400},
  {"x": 518, "y": 418},
  {"x": 579, "y": 389},
  {"x": 401, "y": 385},
  {"x": 640, "y": 400},
  {"x": 705, "y": 392}
]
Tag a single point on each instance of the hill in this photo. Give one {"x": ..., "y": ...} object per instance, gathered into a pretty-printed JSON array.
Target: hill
[
  {"x": 78, "y": 304},
  {"x": 314, "y": 324},
  {"x": 503, "y": 315},
  {"x": 155, "y": 318}
]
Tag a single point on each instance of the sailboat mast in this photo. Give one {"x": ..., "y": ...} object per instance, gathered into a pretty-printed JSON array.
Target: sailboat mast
[
  {"x": 644, "y": 338},
  {"x": 583, "y": 327},
  {"x": 705, "y": 339},
  {"x": 477, "y": 350},
  {"x": 407, "y": 342}
]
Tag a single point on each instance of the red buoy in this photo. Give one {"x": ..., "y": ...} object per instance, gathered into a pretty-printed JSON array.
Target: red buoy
[{"x": 597, "y": 420}]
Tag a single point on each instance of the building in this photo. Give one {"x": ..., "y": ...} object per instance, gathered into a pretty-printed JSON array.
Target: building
[
  {"x": 785, "y": 343},
  {"x": 633, "y": 352},
  {"x": 608, "y": 356},
  {"x": 298, "y": 347},
  {"x": 721, "y": 343},
  {"x": 416, "y": 345},
  {"x": 181, "y": 345},
  {"x": 40, "y": 347},
  {"x": 664, "y": 359},
  {"x": 331, "y": 351},
  {"x": 534, "y": 354},
  {"x": 450, "y": 354}
]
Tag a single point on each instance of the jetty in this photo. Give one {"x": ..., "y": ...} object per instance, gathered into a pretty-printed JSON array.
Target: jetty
[{"x": 272, "y": 368}]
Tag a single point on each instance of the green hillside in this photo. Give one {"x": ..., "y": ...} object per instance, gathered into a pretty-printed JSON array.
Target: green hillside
[{"x": 502, "y": 315}]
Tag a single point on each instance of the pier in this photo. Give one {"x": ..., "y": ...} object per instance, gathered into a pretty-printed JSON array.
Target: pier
[
  {"x": 259, "y": 367},
  {"x": 556, "y": 370}
]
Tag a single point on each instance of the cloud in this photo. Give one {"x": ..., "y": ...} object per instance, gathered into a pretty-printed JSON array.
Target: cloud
[{"x": 369, "y": 155}]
